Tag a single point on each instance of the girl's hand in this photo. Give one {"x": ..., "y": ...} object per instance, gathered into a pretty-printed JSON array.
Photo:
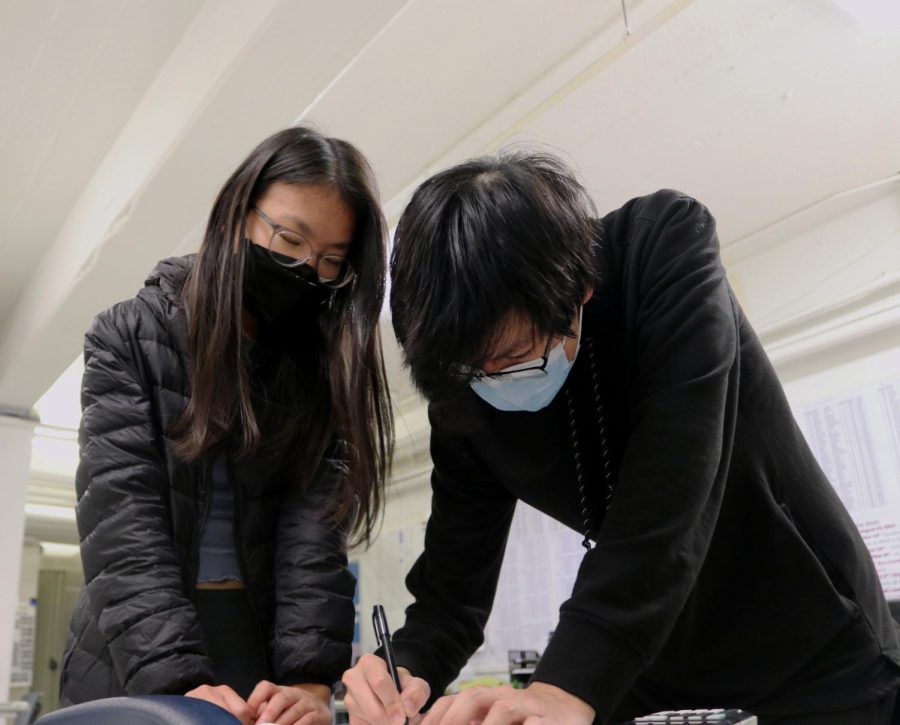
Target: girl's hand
[
  {"x": 290, "y": 704},
  {"x": 226, "y": 698}
]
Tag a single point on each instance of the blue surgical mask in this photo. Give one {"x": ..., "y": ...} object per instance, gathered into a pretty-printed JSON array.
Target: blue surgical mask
[{"x": 533, "y": 393}]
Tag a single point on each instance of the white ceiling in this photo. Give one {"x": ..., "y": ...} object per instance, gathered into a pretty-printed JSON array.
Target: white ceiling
[
  {"x": 71, "y": 75},
  {"x": 120, "y": 119}
]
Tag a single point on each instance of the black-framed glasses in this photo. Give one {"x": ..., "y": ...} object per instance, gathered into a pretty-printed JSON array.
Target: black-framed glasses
[
  {"x": 531, "y": 369},
  {"x": 290, "y": 250}
]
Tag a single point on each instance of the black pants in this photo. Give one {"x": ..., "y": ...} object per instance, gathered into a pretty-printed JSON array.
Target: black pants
[{"x": 233, "y": 639}]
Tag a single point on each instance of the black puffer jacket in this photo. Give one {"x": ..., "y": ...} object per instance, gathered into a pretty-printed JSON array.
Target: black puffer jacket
[{"x": 140, "y": 512}]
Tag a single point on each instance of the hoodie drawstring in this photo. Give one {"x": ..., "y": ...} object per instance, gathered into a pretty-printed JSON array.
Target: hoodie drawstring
[{"x": 576, "y": 449}]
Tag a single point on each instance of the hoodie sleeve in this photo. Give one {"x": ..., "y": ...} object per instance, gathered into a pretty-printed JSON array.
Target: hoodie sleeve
[
  {"x": 455, "y": 578},
  {"x": 681, "y": 340}
]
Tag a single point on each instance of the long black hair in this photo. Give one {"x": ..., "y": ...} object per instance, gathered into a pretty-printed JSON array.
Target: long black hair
[
  {"x": 335, "y": 399},
  {"x": 494, "y": 236}
]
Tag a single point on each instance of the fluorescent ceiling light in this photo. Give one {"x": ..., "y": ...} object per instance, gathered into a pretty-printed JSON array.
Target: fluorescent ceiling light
[
  {"x": 39, "y": 510},
  {"x": 60, "y": 406},
  {"x": 56, "y": 455},
  {"x": 54, "y": 448},
  {"x": 62, "y": 434},
  {"x": 53, "y": 548}
]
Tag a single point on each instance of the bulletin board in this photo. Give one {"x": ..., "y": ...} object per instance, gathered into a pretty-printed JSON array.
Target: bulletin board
[
  {"x": 850, "y": 416},
  {"x": 22, "y": 671}
]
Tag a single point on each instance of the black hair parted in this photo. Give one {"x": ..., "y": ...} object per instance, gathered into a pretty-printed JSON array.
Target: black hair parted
[
  {"x": 510, "y": 234},
  {"x": 339, "y": 393}
]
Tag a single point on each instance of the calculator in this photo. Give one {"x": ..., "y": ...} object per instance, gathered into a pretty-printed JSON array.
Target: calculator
[{"x": 719, "y": 716}]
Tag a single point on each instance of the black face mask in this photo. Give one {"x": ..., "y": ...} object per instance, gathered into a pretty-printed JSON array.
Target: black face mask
[{"x": 286, "y": 302}]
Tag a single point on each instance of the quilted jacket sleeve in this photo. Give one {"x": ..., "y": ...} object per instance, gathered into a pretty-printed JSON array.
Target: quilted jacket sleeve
[
  {"x": 133, "y": 578},
  {"x": 314, "y": 588}
]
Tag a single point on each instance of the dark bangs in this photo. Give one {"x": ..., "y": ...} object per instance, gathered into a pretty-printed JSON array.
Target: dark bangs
[{"x": 510, "y": 234}]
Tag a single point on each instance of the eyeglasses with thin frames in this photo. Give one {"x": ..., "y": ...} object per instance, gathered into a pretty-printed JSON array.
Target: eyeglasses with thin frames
[
  {"x": 291, "y": 250},
  {"x": 531, "y": 369}
]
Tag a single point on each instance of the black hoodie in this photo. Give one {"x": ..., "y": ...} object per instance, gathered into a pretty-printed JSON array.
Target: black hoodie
[{"x": 726, "y": 571}]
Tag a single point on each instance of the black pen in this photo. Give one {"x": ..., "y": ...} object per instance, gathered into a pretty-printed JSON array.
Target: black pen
[{"x": 383, "y": 634}]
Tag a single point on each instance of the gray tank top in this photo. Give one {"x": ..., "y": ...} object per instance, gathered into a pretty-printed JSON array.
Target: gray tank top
[{"x": 218, "y": 558}]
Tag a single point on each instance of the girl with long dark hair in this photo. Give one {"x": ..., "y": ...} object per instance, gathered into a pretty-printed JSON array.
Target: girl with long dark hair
[{"x": 236, "y": 430}]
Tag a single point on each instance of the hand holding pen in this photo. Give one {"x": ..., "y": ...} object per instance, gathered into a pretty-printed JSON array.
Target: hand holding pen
[
  {"x": 378, "y": 691},
  {"x": 383, "y": 635}
]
